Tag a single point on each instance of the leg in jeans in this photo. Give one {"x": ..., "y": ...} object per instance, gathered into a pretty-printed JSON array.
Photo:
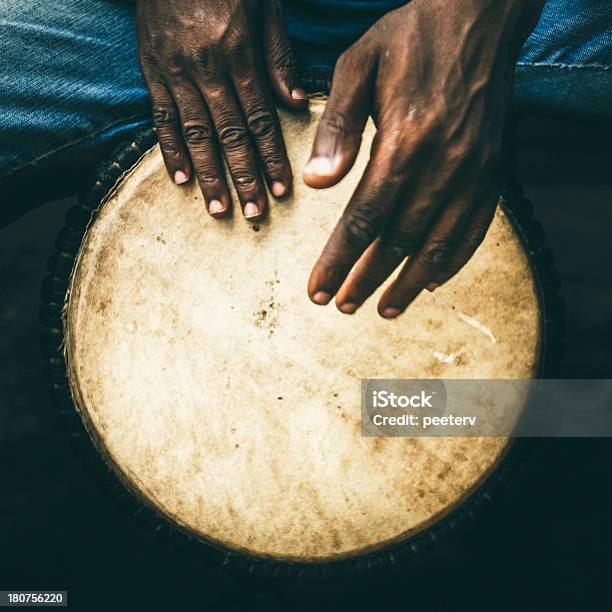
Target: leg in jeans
[
  {"x": 70, "y": 89},
  {"x": 565, "y": 67},
  {"x": 564, "y": 70}
]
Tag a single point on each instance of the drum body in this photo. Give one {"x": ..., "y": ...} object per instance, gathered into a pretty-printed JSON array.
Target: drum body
[{"x": 229, "y": 405}]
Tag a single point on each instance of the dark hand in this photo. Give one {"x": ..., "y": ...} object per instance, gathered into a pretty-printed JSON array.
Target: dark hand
[
  {"x": 436, "y": 76},
  {"x": 207, "y": 64}
]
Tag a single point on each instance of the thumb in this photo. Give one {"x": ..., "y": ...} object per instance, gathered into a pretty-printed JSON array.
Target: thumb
[
  {"x": 279, "y": 58},
  {"x": 339, "y": 132}
]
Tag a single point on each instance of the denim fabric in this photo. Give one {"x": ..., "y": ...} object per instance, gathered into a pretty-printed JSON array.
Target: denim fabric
[
  {"x": 565, "y": 67},
  {"x": 70, "y": 80},
  {"x": 322, "y": 29}
]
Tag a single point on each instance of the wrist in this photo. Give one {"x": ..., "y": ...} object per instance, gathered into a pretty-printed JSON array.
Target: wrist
[
  {"x": 488, "y": 24},
  {"x": 512, "y": 20}
]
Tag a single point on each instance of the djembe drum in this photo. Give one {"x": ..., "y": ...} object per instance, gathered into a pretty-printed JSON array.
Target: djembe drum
[{"x": 228, "y": 406}]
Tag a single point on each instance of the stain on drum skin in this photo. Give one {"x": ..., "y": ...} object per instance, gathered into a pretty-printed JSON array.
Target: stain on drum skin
[{"x": 243, "y": 427}]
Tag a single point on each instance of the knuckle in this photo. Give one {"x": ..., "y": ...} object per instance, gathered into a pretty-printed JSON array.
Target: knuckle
[
  {"x": 335, "y": 123},
  {"x": 233, "y": 136},
  {"x": 196, "y": 133},
  {"x": 207, "y": 178},
  {"x": 361, "y": 228},
  {"x": 399, "y": 243},
  {"x": 170, "y": 147},
  {"x": 245, "y": 181},
  {"x": 273, "y": 161},
  {"x": 164, "y": 115},
  {"x": 436, "y": 253},
  {"x": 283, "y": 58},
  {"x": 262, "y": 124},
  {"x": 457, "y": 154},
  {"x": 346, "y": 59},
  {"x": 171, "y": 153},
  {"x": 216, "y": 93}
]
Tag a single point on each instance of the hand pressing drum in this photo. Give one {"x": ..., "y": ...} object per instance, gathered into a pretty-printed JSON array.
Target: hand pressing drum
[
  {"x": 436, "y": 77},
  {"x": 212, "y": 68}
]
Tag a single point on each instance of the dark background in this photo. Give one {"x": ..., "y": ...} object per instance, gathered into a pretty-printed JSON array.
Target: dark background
[{"x": 543, "y": 543}]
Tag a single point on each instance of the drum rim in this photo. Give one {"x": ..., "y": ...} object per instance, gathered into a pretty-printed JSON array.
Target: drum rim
[{"x": 54, "y": 294}]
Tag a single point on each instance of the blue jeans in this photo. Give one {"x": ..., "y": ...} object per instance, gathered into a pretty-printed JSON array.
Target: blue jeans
[{"x": 71, "y": 87}]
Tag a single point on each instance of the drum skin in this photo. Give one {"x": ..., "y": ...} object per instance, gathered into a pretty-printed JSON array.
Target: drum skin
[{"x": 222, "y": 397}]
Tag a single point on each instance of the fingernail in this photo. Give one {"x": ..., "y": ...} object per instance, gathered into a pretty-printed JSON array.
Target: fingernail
[
  {"x": 251, "y": 210},
  {"x": 320, "y": 166},
  {"x": 215, "y": 207},
  {"x": 180, "y": 177},
  {"x": 432, "y": 287},
  {"x": 278, "y": 189},
  {"x": 321, "y": 298},
  {"x": 390, "y": 313},
  {"x": 298, "y": 94},
  {"x": 348, "y": 308}
]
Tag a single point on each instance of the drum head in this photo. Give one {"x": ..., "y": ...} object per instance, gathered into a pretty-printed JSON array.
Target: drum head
[{"x": 227, "y": 401}]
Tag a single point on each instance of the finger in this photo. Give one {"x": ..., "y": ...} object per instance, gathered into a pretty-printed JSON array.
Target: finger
[
  {"x": 240, "y": 154},
  {"x": 400, "y": 238},
  {"x": 279, "y": 58},
  {"x": 363, "y": 219},
  {"x": 373, "y": 268},
  {"x": 263, "y": 124},
  {"x": 433, "y": 255},
  {"x": 472, "y": 238},
  {"x": 168, "y": 127},
  {"x": 339, "y": 131},
  {"x": 202, "y": 147}
]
